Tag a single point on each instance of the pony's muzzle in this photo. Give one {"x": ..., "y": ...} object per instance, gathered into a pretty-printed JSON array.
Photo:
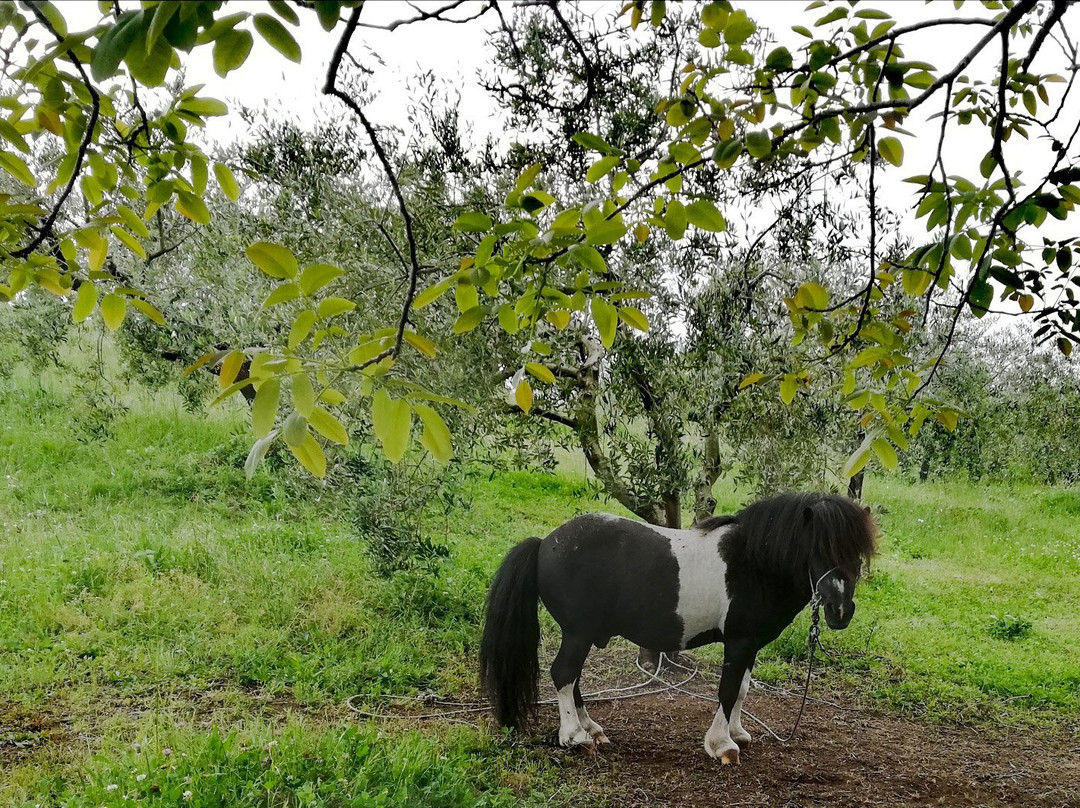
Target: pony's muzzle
[{"x": 838, "y": 617}]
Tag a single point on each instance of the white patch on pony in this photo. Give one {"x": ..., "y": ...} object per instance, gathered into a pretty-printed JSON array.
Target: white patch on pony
[
  {"x": 571, "y": 733},
  {"x": 591, "y": 727},
  {"x": 838, "y": 585},
  {"x": 703, "y": 596},
  {"x": 718, "y": 742},
  {"x": 738, "y": 734}
]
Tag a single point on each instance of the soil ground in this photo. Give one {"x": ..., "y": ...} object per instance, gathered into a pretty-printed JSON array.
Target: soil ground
[{"x": 841, "y": 756}]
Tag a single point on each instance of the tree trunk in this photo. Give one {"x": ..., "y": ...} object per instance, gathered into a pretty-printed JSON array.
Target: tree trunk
[{"x": 704, "y": 501}]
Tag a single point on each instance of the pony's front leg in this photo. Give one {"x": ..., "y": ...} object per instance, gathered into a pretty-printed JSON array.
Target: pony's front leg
[
  {"x": 565, "y": 673},
  {"x": 726, "y": 733}
]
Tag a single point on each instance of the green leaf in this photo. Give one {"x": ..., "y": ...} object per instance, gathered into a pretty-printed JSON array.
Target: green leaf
[
  {"x": 436, "y": 436},
  {"x": 113, "y": 310},
  {"x": 473, "y": 222},
  {"x": 311, "y": 456},
  {"x": 392, "y": 422},
  {"x": 917, "y": 281},
  {"x": 892, "y": 150},
  {"x": 470, "y": 319},
  {"x": 16, "y": 167},
  {"x": 282, "y": 294},
  {"x": 779, "y": 59},
  {"x": 316, "y": 276},
  {"x": 593, "y": 142},
  {"x": 601, "y": 168},
  {"x": 739, "y": 28},
  {"x": 264, "y": 407},
  {"x": 227, "y": 182},
  {"x": 303, "y": 394},
  {"x": 605, "y": 231},
  {"x": 589, "y": 258},
  {"x": 540, "y": 372},
  {"x": 675, "y": 219},
  {"x": 231, "y": 50},
  {"x": 301, "y": 327},
  {"x": 257, "y": 453},
  {"x": 192, "y": 207},
  {"x": 85, "y": 301},
  {"x": 788, "y": 387},
  {"x": 759, "y": 144},
  {"x": 114, "y": 44},
  {"x": 333, "y": 306},
  {"x": 633, "y": 317},
  {"x": 273, "y": 259},
  {"x": 295, "y": 429},
  {"x": 204, "y": 107},
  {"x": 148, "y": 311},
  {"x": 328, "y": 426},
  {"x": 133, "y": 222},
  {"x": 278, "y": 36},
  {"x": 432, "y": 293},
  {"x": 606, "y": 318},
  {"x": 885, "y": 453},
  {"x": 703, "y": 214},
  {"x": 857, "y": 462},
  {"x": 129, "y": 241}
]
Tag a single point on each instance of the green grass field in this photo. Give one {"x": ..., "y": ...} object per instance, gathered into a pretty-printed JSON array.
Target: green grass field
[{"x": 168, "y": 627}]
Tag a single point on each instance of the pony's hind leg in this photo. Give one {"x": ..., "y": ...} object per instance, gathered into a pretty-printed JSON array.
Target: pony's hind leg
[
  {"x": 590, "y": 726},
  {"x": 565, "y": 672}
]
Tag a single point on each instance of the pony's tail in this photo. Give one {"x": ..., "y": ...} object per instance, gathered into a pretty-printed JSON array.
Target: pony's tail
[{"x": 509, "y": 661}]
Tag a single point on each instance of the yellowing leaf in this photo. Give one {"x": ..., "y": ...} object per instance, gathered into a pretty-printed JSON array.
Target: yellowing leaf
[
  {"x": 273, "y": 259},
  {"x": 113, "y": 309},
  {"x": 148, "y": 310},
  {"x": 523, "y": 395},
  {"x": 295, "y": 429},
  {"x": 436, "y": 436},
  {"x": 392, "y": 422},
  {"x": 301, "y": 327},
  {"x": 303, "y": 394},
  {"x": 230, "y": 366},
  {"x": 264, "y": 407},
  {"x": 227, "y": 182},
  {"x": 85, "y": 301},
  {"x": 470, "y": 319},
  {"x": 311, "y": 456},
  {"x": 328, "y": 426},
  {"x": 788, "y": 387},
  {"x": 192, "y": 207},
  {"x": 422, "y": 344},
  {"x": 885, "y": 453},
  {"x": 316, "y": 276},
  {"x": 333, "y": 306},
  {"x": 606, "y": 319},
  {"x": 753, "y": 378},
  {"x": 633, "y": 317},
  {"x": 541, "y": 372},
  {"x": 282, "y": 294}
]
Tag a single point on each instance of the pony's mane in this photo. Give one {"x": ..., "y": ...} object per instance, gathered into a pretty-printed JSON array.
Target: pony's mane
[{"x": 783, "y": 532}]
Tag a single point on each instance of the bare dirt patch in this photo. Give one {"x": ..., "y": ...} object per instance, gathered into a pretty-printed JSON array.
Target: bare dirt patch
[{"x": 840, "y": 757}]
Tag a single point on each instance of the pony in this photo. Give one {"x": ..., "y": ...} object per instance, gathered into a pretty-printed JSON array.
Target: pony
[{"x": 737, "y": 579}]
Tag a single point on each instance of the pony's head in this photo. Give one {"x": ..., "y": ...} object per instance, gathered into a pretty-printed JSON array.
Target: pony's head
[{"x": 844, "y": 539}]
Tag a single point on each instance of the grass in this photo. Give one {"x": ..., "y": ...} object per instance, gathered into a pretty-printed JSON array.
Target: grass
[{"x": 152, "y": 599}]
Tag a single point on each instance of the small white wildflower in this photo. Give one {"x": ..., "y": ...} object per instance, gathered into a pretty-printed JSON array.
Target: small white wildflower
[
  {"x": 140, "y": 778},
  {"x": 111, "y": 787},
  {"x": 166, "y": 751},
  {"x": 187, "y": 796}
]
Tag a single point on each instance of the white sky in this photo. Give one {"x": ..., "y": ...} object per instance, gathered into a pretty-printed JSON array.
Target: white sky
[{"x": 457, "y": 53}]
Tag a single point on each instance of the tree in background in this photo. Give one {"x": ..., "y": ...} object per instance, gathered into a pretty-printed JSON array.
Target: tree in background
[{"x": 90, "y": 162}]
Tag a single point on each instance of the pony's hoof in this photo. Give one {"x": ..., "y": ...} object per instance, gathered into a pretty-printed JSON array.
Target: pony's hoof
[
  {"x": 742, "y": 739},
  {"x": 730, "y": 757},
  {"x": 600, "y": 737},
  {"x": 579, "y": 738}
]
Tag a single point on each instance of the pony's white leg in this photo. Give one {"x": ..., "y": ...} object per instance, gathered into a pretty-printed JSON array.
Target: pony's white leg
[
  {"x": 718, "y": 741},
  {"x": 591, "y": 727},
  {"x": 738, "y": 733},
  {"x": 571, "y": 732}
]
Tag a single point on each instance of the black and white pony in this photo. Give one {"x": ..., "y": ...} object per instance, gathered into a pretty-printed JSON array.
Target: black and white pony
[{"x": 739, "y": 580}]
